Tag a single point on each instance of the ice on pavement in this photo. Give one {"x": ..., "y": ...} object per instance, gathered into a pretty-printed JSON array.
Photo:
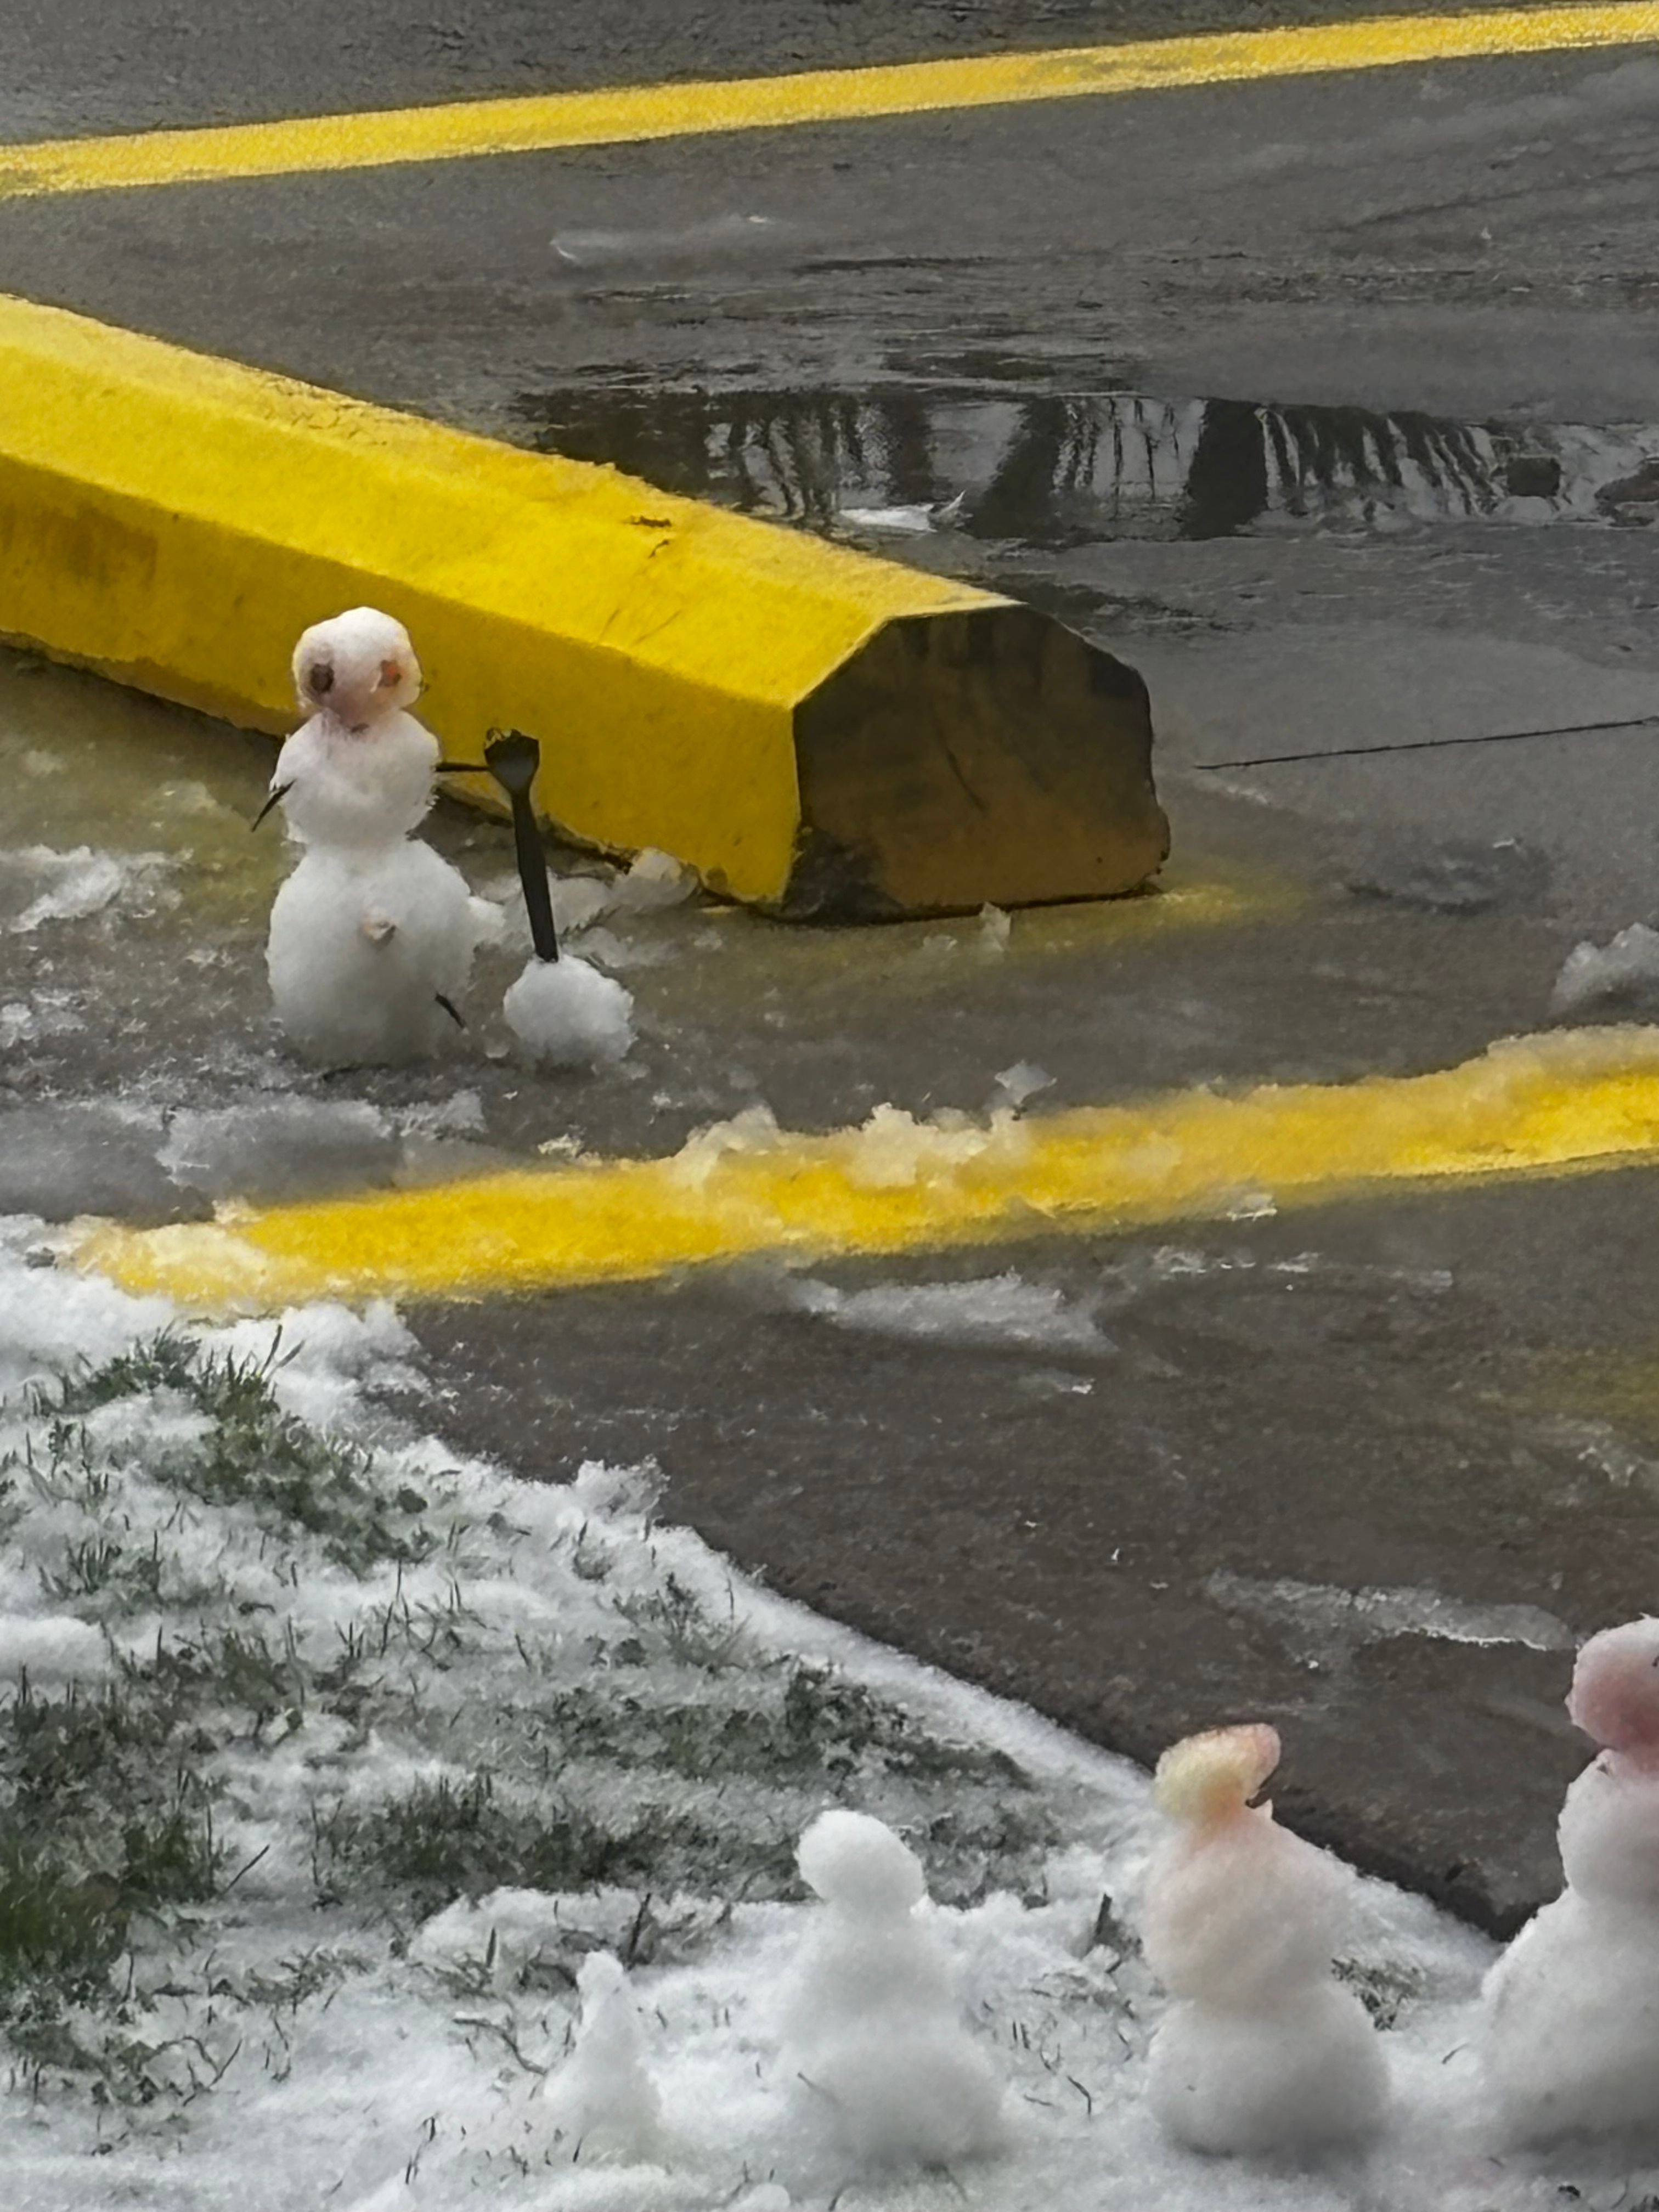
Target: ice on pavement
[
  {"x": 267, "y": 1148},
  {"x": 986, "y": 1310},
  {"x": 457, "y": 1734},
  {"x": 1323, "y": 1622},
  {"x": 39, "y": 884}
]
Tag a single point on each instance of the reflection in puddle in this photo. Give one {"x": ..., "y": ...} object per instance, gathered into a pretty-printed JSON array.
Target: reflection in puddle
[{"x": 1059, "y": 471}]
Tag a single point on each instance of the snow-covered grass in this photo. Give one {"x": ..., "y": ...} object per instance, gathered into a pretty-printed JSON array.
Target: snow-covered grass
[{"x": 328, "y": 1756}]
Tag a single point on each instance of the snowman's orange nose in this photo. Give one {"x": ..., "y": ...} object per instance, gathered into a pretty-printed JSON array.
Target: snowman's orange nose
[{"x": 392, "y": 671}]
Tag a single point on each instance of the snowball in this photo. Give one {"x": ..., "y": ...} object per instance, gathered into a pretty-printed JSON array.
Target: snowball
[
  {"x": 1263, "y": 2050},
  {"x": 361, "y": 944},
  {"x": 1621, "y": 968},
  {"x": 1571, "y": 2025},
  {"x": 601, "y": 2100},
  {"x": 566, "y": 1013},
  {"x": 872, "y": 2027}
]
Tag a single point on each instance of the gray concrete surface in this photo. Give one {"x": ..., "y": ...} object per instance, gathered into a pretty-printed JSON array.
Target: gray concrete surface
[{"x": 1329, "y": 406}]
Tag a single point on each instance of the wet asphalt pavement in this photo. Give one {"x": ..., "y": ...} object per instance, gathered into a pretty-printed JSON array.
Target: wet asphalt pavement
[{"x": 1333, "y": 407}]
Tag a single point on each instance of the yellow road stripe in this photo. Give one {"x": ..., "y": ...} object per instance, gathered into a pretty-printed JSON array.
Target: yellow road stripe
[
  {"x": 632, "y": 113},
  {"x": 1569, "y": 1100}
]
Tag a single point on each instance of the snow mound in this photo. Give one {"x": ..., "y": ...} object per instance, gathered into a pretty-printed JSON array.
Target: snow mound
[
  {"x": 1626, "y": 969},
  {"x": 602, "y": 2102}
]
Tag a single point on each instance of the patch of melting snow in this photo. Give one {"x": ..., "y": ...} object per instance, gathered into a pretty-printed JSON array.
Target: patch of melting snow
[
  {"x": 47, "y": 1014},
  {"x": 1323, "y": 1622},
  {"x": 986, "y": 1310},
  {"x": 39, "y": 884},
  {"x": 458, "y": 1732},
  {"x": 460, "y": 1115},
  {"x": 1624, "y": 970}
]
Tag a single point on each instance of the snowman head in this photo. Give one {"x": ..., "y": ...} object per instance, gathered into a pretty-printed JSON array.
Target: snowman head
[
  {"x": 357, "y": 668},
  {"x": 1614, "y": 1697},
  {"x": 1210, "y": 1779},
  {"x": 855, "y": 1861}
]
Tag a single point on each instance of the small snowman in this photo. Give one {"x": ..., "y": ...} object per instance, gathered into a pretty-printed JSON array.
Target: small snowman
[
  {"x": 1570, "y": 2012},
  {"x": 602, "y": 2100},
  {"x": 372, "y": 935},
  {"x": 1262, "y": 2051},
  {"x": 564, "y": 1012},
  {"x": 873, "y": 2031}
]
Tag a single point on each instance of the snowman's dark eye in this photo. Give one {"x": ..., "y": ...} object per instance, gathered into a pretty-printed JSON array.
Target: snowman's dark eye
[{"x": 321, "y": 679}]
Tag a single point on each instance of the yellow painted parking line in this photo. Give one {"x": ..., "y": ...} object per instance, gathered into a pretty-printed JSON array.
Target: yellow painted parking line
[
  {"x": 1567, "y": 1101},
  {"x": 538, "y": 123},
  {"x": 813, "y": 729}
]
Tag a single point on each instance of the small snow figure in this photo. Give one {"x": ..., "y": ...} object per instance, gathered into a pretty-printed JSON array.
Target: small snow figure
[
  {"x": 1262, "y": 2051},
  {"x": 371, "y": 937},
  {"x": 873, "y": 2031},
  {"x": 602, "y": 2100},
  {"x": 564, "y": 1012},
  {"x": 1571, "y": 2009}
]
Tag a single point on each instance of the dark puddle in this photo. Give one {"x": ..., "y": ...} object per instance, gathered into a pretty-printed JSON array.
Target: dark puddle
[{"x": 1056, "y": 470}]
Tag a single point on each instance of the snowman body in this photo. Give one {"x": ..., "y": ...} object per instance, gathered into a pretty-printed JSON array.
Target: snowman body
[
  {"x": 1263, "y": 2050},
  {"x": 366, "y": 943},
  {"x": 1570, "y": 2042}
]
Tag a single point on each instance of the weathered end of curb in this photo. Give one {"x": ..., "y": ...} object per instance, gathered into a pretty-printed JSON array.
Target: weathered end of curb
[{"x": 814, "y": 730}]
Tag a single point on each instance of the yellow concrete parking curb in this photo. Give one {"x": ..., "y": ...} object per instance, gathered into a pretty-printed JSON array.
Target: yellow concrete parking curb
[
  {"x": 815, "y": 730},
  {"x": 1553, "y": 1105},
  {"x": 630, "y": 113}
]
